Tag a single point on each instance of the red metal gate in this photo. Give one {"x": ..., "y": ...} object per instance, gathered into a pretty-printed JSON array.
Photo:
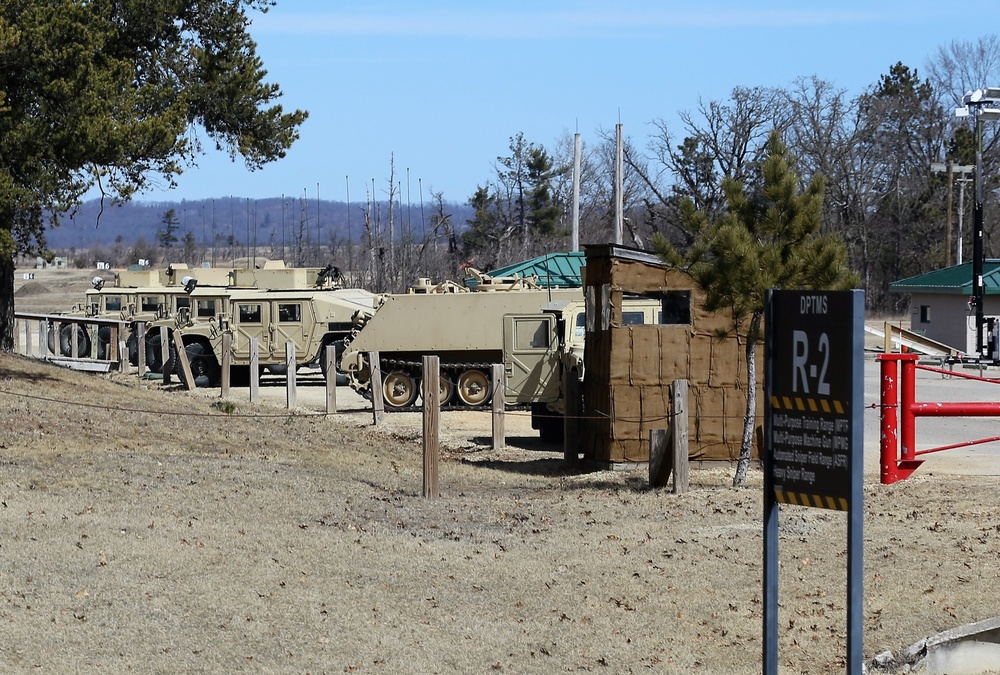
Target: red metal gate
[{"x": 899, "y": 410}]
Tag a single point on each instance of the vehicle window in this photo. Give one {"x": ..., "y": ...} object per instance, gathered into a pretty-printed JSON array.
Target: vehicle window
[
  {"x": 113, "y": 303},
  {"x": 249, "y": 313},
  {"x": 633, "y": 318},
  {"x": 206, "y": 308},
  {"x": 289, "y": 312},
  {"x": 580, "y": 330},
  {"x": 183, "y": 301},
  {"x": 149, "y": 303},
  {"x": 531, "y": 334}
]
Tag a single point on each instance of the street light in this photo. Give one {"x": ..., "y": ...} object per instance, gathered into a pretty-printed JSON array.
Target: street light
[{"x": 982, "y": 104}]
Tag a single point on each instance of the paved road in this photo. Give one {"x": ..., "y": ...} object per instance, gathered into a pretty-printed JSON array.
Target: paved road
[{"x": 934, "y": 432}]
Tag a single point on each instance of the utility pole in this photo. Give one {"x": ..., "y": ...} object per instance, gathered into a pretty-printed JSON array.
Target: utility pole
[{"x": 951, "y": 168}]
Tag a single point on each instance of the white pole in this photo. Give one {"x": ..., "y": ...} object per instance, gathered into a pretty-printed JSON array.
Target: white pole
[
  {"x": 576, "y": 193},
  {"x": 619, "y": 217}
]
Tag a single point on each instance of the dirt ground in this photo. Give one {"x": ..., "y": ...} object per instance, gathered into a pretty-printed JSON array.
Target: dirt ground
[{"x": 145, "y": 529}]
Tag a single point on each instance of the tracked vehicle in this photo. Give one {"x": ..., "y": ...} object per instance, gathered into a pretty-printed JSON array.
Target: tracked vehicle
[
  {"x": 464, "y": 328},
  {"x": 537, "y": 335}
]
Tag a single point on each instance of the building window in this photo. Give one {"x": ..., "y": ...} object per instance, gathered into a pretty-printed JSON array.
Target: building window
[
  {"x": 925, "y": 313},
  {"x": 676, "y": 307}
]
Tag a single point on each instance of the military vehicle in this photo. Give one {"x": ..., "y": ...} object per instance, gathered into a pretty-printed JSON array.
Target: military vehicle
[
  {"x": 203, "y": 303},
  {"x": 312, "y": 319},
  {"x": 135, "y": 295},
  {"x": 155, "y": 296},
  {"x": 464, "y": 328},
  {"x": 537, "y": 334}
]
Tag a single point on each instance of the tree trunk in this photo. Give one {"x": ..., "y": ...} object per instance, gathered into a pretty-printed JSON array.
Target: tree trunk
[
  {"x": 750, "y": 415},
  {"x": 6, "y": 304}
]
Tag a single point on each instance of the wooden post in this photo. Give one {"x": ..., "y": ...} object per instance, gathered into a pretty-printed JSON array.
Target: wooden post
[
  {"x": 431, "y": 392},
  {"x": 572, "y": 416},
  {"x": 93, "y": 331},
  {"x": 118, "y": 338},
  {"x": 499, "y": 435},
  {"x": 290, "y": 374},
  {"x": 331, "y": 379},
  {"x": 123, "y": 362},
  {"x": 165, "y": 353},
  {"x": 27, "y": 335},
  {"x": 182, "y": 360},
  {"x": 57, "y": 327},
  {"x": 227, "y": 362},
  {"x": 43, "y": 338},
  {"x": 74, "y": 348},
  {"x": 668, "y": 448},
  {"x": 111, "y": 352},
  {"x": 680, "y": 436},
  {"x": 378, "y": 402},
  {"x": 140, "y": 343},
  {"x": 254, "y": 370}
]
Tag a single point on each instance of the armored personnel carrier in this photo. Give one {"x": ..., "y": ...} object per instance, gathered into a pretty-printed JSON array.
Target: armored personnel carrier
[
  {"x": 464, "y": 327},
  {"x": 537, "y": 335}
]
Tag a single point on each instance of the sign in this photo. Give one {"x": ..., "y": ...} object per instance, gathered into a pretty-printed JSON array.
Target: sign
[
  {"x": 809, "y": 408},
  {"x": 814, "y": 435}
]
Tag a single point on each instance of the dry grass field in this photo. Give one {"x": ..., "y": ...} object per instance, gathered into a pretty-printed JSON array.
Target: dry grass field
[{"x": 143, "y": 528}]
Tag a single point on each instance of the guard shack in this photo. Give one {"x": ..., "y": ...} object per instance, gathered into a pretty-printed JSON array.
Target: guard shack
[{"x": 629, "y": 368}]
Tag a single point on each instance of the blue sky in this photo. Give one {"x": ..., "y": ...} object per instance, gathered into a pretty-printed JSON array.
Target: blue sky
[{"x": 440, "y": 86}]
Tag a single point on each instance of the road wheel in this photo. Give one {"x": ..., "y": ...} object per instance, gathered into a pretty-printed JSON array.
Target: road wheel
[
  {"x": 473, "y": 387},
  {"x": 154, "y": 357},
  {"x": 446, "y": 389},
  {"x": 103, "y": 342},
  {"x": 204, "y": 366},
  {"x": 66, "y": 341},
  {"x": 399, "y": 389},
  {"x": 132, "y": 345}
]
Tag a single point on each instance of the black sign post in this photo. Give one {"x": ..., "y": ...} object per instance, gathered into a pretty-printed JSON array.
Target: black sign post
[{"x": 814, "y": 434}]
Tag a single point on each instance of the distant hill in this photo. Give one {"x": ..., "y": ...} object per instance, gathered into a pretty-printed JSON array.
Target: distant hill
[{"x": 256, "y": 221}]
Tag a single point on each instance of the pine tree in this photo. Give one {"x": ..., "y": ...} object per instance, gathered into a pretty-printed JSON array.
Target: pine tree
[
  {"x": 167, "y": 235},
  {"x": 108, "y": 95},
  {"x": 768, "y": 238}
]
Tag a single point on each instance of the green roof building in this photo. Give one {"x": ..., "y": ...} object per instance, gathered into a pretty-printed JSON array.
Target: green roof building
[
  {"x": 939, "y": 302},
  {"x": 554, "y": 270}
]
